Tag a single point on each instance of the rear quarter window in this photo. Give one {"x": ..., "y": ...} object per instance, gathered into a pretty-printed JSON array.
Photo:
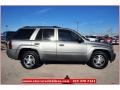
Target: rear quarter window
[{"x": 23, "y": 34}]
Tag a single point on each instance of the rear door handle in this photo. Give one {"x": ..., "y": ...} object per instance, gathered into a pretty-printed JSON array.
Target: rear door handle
[
  {"x": 61, "y": 44},
  {"x": 36, "y": 43}
]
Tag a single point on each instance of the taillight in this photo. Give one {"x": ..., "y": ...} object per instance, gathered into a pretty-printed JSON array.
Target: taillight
[{"x": 10, "y": 44}]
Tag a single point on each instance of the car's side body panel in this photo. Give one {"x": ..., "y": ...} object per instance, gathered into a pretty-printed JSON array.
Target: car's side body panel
[{"x": 55, "y": 50}]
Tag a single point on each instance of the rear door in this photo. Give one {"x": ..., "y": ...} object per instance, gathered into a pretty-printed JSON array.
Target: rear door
[{"x": 46, "y": 44}]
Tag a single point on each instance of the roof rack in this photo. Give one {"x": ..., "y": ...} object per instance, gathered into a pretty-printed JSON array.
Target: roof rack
[{"x": 45, "y": 27}]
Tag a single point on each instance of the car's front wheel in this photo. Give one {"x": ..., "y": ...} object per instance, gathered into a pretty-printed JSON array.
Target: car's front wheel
[
  {"x": 30, "y": 60},
  {"x": 99, "y": 60}
]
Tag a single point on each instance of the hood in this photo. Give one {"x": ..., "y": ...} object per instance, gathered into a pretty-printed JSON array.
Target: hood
[{"x": 99, "y": 44}]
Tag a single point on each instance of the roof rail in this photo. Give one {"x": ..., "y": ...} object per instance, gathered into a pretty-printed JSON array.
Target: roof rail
[{"x": 41, "y": 27}]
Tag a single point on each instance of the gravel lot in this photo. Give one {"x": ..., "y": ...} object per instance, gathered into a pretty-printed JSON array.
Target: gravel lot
[{"x": 13, "y": 72}]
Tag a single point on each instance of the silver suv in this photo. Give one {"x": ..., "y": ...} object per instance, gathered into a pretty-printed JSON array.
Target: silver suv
[{"x": 35, "y": 45}]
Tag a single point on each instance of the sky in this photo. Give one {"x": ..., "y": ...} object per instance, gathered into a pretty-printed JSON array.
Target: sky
[{"x": 91, "y": 20}]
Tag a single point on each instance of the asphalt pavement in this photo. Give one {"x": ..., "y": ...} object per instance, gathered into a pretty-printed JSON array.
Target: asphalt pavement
[{"x": 12, "y": 72}]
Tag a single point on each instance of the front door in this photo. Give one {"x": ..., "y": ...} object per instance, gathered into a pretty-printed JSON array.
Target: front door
[{"x": 70, "y": 47}]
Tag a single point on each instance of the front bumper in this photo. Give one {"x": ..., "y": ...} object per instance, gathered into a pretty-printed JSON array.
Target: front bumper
[{"x": 113, "y": 55}]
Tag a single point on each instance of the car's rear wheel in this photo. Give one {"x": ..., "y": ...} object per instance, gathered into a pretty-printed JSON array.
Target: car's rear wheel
[
  {"x": 99, "y": 60},
  {"x": 30, "y": 60}
]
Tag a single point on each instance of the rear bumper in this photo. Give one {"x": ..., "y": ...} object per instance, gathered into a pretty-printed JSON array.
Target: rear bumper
[{"x": 11, "y": 53}]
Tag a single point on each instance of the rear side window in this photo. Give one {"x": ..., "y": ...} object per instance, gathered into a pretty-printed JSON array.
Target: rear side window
[
  {"x": 48, "y": 34},
  {"x": 45, "y": 34},
  {"x": 24, "y": 34}
]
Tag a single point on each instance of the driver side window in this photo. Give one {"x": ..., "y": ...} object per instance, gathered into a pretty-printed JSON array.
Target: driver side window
[{"x": 66, "y": 35}]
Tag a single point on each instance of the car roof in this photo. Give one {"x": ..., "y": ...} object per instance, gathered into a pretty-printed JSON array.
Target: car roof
[{"x": 44, "y": 27}]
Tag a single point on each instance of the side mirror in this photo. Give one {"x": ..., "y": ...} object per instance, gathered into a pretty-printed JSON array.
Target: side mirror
[{"x": 80, "y": 40}]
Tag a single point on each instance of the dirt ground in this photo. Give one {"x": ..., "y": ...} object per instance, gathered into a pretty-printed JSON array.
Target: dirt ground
[{"x": 13, "y": 72}]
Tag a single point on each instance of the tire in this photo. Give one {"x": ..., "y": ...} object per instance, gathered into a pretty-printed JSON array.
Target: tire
[
  {"x": 30, "y": 60},
  {"x": 99, "y": 60}
]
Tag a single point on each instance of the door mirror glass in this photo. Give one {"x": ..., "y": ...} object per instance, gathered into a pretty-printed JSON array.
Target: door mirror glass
[{"x": 80, "y": 40}]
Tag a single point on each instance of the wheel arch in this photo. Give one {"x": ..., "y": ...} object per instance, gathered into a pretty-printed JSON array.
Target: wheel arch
[
  {"x": 26, "y": 49},
  {"x": 102, "y": 50}
]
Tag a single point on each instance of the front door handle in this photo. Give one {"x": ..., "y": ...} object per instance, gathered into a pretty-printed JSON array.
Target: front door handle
[
  {"x": 36, "y": 43},
  {"x": 61, "y": 44}
]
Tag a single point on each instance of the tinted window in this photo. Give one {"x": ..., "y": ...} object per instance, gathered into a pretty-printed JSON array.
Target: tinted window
[
  {"x": 39, "y": 35},
  {"x": 74, "y": 36},
  {"x": 66, "y": 35},
  {"x": 23, "y": 33},
  {"x": 48, "y": 34}
]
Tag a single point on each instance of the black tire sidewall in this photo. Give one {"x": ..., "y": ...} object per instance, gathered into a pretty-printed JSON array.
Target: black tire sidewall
[
  {"x": 35, "y": 55},
  {"x": 99, "y": 53}
]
